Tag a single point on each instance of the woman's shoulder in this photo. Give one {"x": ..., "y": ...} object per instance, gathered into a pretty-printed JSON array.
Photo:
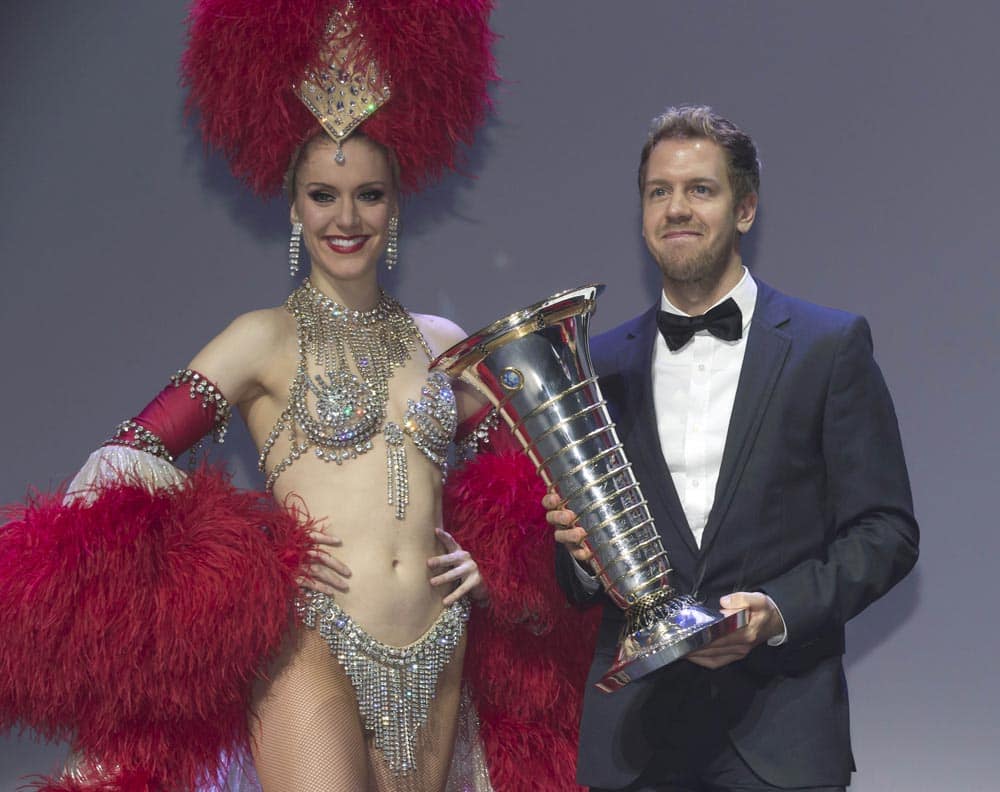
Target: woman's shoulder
[
  {"x": 260, "y": 334},
  {"x": 442, "y": 334},
  {"x": 238, "y": 359},
  {"x": 263, "y": 324},
  {"x": 439, "y": 332}
]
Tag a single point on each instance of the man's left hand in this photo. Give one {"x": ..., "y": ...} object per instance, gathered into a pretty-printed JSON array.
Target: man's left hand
[{"x": 763, "y": 622}]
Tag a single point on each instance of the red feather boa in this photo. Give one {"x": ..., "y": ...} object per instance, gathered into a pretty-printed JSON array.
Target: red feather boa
[
  {"x": 135, "y": 626},
  {"x": 528, "y": 650},
  {"x": 129, "y": 630},
  {"x": 245, "y": 56}
]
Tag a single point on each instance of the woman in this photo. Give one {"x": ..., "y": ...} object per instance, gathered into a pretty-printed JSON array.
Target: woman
[
  {"x": 353, "y": 435},
  {"x": 372, "y": 550}
]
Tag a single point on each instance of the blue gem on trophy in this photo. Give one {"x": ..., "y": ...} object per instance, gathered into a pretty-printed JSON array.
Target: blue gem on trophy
[{"x": 512, "y": 379}]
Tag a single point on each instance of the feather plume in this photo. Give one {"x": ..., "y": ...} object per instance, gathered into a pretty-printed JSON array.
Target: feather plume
[
  {"x": 134, "y": 626},
  {"x": 245, "y": 57}
]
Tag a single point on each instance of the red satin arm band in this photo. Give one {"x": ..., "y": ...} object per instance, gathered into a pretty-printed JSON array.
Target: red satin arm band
[{"x": 181, "y": 414}]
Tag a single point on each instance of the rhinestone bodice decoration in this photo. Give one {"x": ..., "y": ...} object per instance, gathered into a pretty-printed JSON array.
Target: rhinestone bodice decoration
[
  {"x": 431, "y": 421},
  {"x": 334, "y": 413}
]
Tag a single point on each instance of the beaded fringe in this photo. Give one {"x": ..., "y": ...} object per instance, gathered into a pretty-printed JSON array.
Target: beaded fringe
[
  {"x": 397, "y": 476},
  {"x": 394, "y": 685}
]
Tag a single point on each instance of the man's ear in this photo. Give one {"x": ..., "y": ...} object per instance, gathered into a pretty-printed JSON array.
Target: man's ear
[{"x": 746, "y": 212}]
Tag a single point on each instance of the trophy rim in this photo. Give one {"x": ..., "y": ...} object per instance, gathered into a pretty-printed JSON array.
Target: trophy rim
[
  {"x": 628, "y": 668},
  {"x": 476, "y": 346}
]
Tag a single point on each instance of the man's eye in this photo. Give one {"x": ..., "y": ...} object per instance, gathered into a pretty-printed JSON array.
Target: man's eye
[
  {"x": 657, "y": 192},
  {"x": 701, "y": 189}
]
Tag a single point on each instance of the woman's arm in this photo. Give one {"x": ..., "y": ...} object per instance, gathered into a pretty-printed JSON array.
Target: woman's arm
[{"x": 231, "y": 369}]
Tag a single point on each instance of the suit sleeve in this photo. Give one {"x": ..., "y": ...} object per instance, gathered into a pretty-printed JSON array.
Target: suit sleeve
[
  {"x": 580, "y": 588},
  {"x": 873, "y": 535}
]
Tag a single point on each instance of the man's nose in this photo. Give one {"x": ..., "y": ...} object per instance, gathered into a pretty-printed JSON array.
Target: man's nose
[{"x": 678, "y": 206}]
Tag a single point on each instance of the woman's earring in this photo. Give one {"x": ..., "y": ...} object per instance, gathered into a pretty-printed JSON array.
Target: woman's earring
[
  {"x": 392, "y": 243},
  {"x": 293, "y": 249}
]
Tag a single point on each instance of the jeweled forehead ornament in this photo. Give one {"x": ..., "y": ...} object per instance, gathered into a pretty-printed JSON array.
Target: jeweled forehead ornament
[{"x": 350, "y": 88}]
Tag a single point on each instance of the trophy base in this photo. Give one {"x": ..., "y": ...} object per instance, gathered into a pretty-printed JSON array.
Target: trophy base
[{"x": 659, "y": 644}]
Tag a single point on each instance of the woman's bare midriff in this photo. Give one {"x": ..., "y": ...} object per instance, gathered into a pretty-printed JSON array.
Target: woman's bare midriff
[{"x": 389, "y": 593}]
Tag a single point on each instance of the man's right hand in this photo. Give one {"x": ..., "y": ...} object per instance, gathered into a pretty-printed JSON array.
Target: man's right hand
[{"x": 567, "y": 532}]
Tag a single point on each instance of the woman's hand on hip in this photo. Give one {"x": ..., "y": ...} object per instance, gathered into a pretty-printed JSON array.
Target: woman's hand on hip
[
  {"x": 459, "y": 567},
  {"x": 327, "y": 574}
]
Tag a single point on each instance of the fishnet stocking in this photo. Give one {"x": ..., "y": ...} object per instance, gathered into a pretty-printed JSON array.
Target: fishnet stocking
[{"x": 309, "y": 737}]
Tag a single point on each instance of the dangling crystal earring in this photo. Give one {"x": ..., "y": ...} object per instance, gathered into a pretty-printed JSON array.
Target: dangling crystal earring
[
  {"x": 392, "y": 243},
  {"x": 293, "y": 249}
]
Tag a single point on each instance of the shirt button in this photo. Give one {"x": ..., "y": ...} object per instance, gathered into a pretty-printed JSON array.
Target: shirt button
[
  {"x": 701, "y": 367},
  {"x": 695, "y": 483}
]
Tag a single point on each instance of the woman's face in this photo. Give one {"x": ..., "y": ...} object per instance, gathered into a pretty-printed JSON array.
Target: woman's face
[{"x": 344, "y": 208}]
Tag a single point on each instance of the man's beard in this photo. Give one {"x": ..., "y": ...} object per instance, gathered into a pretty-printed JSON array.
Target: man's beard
[{"x": 706, "y": 265}]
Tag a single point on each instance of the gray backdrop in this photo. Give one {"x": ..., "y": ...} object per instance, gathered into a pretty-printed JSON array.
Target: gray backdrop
[{"x": 124, "y": 249}]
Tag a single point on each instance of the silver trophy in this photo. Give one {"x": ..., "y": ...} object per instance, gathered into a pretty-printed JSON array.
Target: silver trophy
[{"x": 535, "y": 367}]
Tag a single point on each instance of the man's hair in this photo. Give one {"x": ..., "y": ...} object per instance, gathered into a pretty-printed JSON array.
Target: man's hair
[{"x": 699, "y": 121}]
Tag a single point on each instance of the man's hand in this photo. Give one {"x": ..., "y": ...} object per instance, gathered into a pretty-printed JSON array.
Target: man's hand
[
  {"x": 567, "y": 532},
  {"x": 763, "y": 622}
]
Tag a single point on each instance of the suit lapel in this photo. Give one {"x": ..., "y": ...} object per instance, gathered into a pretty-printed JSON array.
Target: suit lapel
[
  {"x": 636, "y": 363},
  {"x": 767, "y": 349}
]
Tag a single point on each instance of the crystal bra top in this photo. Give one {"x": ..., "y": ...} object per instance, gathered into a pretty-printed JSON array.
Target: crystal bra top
[{"x": 335, "y": 414}]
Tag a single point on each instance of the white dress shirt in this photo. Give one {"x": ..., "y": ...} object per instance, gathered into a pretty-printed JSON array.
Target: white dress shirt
[
  {"x": 693, "y": 393},
  {"x": 694, "y": 390}
]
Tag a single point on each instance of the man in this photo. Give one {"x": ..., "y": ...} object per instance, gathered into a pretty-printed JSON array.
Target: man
[{"x": 765, "y": 441}]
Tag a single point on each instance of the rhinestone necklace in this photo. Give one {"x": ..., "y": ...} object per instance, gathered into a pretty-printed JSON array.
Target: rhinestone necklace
[{"x": 337, "y": 412}]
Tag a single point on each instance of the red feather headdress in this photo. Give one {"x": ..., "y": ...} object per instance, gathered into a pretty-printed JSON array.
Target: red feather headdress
[{"x": 246, "y": 60}]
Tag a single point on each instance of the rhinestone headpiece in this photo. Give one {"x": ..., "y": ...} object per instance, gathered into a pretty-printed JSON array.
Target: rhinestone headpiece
[
  {"x": 262, "y": 73},
  {"x": 349, "y": 89}
]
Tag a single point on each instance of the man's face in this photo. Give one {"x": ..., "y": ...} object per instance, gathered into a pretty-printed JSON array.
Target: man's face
[{"x": 690, "y": 218}]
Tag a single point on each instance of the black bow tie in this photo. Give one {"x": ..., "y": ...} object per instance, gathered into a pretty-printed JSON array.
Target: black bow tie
[{"x": 724, "y": 321}]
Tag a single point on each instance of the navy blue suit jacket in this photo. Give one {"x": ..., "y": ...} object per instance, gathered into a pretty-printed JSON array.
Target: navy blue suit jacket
[{"x": 812, "y": 507}]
